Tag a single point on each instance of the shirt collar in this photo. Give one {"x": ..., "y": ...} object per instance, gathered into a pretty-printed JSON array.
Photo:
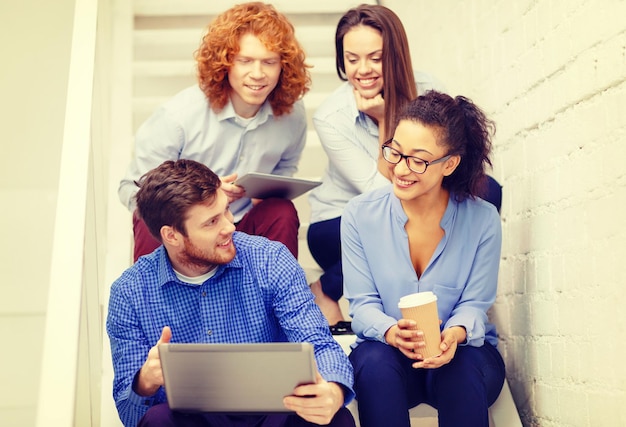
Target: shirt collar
[
  {"x": 165, "y": 271},
  {"x": 228, "y": 113},
  {"x": 400, "y": 215}
]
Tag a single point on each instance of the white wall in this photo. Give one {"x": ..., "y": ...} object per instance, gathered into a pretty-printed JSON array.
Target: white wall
[
  {"x": 35, "y": 38},
  {"x": 553, "y": 76}
]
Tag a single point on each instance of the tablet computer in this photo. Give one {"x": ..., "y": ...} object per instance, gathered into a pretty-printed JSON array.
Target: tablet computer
[
  {"x": 263, "y": 185},
  {"x": 234, "y": 378}
]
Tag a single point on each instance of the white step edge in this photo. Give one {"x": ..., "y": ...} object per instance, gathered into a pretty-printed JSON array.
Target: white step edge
[
  {"x": 312, "y": 139},
  {"x": 204, "y": 7},
  {"x": 312, "y": 99},
  {"x": 503, "y": 411},
  {"x": 160, "y": 37},
  {"x": 322, "y": 65},
  {"x": 306, "y": 34},
  {"x": 164, "y": 68}
]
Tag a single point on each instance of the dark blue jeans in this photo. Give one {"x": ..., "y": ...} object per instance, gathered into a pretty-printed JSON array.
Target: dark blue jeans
[
  {"x": 161, "y": 416},
  {"x": 387, "y": 386},
  {"x": 324, "y": 241}
]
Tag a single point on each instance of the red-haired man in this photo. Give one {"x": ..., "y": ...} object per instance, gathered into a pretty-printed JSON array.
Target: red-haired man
[{"x": 244, "y": 115}]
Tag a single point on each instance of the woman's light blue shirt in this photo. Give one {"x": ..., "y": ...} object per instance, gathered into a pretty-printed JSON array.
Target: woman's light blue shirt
[{"x": 377, "y": 267}]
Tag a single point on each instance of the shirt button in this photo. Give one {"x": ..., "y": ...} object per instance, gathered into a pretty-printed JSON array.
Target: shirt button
[
  {"x": 203, "y": 294},
  {"x": 209, "y": 332}
]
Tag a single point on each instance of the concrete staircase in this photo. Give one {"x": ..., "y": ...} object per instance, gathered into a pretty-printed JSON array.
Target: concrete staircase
[{"x": 165, "y": 34}]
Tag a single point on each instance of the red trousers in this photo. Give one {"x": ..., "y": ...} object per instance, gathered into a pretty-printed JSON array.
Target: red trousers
[{"x": 276, "y": 219}]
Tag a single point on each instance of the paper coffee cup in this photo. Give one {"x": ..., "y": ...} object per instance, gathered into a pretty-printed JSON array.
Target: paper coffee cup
[{"x": 422, "y": 308}]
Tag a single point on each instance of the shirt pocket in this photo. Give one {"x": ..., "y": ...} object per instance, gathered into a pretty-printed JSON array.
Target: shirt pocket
[{"x": 448, "y": 296}]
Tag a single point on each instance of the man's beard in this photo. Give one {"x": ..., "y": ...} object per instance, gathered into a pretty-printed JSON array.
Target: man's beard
[{"x": 194, "y": 256}]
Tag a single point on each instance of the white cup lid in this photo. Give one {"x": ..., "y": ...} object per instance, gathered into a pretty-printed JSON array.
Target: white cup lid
[{"x": 419, "y": 298}]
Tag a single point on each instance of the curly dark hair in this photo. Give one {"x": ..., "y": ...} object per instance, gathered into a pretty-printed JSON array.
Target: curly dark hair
[
  {"x": 399, "y": 82},
  {"x": 220, "y": 44},
  {"x": 167, "y": 192},
  {"x": 464, "y": 129}
]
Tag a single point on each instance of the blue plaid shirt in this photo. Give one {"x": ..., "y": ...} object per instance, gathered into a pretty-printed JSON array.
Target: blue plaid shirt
[{"x": 260, "y": 296}]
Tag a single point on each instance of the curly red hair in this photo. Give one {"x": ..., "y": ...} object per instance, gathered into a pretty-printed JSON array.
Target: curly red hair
[{"x": 220, "y": 44}]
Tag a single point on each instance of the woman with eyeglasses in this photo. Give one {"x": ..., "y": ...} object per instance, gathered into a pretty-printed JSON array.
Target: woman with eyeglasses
[
  {"x": 373, "y": 59},
  {"x": 427, "y": 231}
]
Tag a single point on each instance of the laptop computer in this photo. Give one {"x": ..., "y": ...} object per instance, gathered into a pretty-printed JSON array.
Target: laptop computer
[
  {"x": 263, "y": 185},
  {"x": 234, "y": 378}
]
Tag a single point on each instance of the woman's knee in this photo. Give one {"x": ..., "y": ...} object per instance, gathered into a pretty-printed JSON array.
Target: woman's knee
[
  {"x": 343, "y": 418},
  {"x": 374, "y": 361},
  {"x": 478, "y": 370}
]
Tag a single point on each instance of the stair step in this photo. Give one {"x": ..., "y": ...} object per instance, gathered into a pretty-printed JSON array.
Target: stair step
[
  {"x": 204, "y": 7},
  {"x": 313, "y": 161},
  {"x": 312, "y": 100},
  {"x": 313, "y": 141},
  {"x": 155, "y": 85},
  {"x": 164, "y": 68},
  {"x": 174, "y": 44},
  {"x": 181, "y": 43},
  {"x": 322, "y": 65}
]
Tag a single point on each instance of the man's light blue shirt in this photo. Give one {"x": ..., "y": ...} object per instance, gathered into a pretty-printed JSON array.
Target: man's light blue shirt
[
  {"x": 185, "y": 127},
  {"x": 260, "y": 296},
  {"x": 377, "y": 266}
]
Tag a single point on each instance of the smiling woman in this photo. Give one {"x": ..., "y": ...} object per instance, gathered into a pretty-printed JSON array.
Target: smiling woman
[
  {"x": 427, "y": 232},
  {"x": 372, "y": 57},
  {"x": 363, "y": 49}
]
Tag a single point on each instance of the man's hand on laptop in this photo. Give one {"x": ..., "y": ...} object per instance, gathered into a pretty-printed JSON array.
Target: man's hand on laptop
[
  {"x": 316, "y": 403},
  {"x": 150, "y": 376}
]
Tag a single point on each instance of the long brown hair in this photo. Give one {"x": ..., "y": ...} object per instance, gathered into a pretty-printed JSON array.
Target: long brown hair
[{"x": 399, "y": 82}]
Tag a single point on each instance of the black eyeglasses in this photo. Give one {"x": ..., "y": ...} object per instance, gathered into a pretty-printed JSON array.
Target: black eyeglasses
[{"x": 416, "y": 164}]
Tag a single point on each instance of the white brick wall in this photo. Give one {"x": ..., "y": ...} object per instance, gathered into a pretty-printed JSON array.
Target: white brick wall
[{"x": 552, "y": 74}]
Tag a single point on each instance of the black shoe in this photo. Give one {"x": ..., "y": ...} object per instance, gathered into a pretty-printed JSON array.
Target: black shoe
[{"x": 341, "y": 328}]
